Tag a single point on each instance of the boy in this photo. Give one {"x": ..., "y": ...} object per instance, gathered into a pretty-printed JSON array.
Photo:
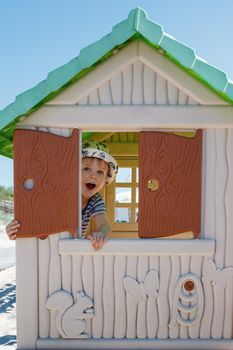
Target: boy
[{"x": 98, "y": 169}]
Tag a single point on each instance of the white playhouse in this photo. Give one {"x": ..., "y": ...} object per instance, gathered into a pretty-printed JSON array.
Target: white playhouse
[{"x": 164, "y": 280}]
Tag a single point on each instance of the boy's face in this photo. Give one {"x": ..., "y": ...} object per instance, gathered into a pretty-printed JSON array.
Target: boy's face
[{"x": 94, "y": 175}]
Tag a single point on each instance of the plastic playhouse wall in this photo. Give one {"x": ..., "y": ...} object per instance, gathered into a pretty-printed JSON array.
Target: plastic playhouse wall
[{"x": 142, "y": 293}]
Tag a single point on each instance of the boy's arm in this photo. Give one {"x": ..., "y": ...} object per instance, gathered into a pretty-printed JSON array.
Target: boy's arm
[{"x": 102, "y": 230}]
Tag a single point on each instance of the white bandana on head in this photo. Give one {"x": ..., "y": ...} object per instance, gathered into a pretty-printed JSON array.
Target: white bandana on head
[{"x": 95, "y": 149}]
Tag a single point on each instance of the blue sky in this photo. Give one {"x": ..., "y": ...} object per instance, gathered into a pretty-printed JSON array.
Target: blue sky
[{"x": 38, "y": 36}]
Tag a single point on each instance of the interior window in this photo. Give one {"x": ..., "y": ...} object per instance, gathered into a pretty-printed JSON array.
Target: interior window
[{"x": 123, "y": 197}]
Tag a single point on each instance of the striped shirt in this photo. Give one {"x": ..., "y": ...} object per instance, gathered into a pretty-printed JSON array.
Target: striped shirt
[{"x": 94, "y": 207}]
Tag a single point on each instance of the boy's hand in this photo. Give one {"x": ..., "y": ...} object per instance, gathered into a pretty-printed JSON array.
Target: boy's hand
[
  {"x": 98, "y": 239},
  {"x": 12, "y": 229}
]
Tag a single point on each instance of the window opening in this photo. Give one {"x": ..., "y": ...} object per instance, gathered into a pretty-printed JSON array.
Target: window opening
[{"x": 122, "y": 196}]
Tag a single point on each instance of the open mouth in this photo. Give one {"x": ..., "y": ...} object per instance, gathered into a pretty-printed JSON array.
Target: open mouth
[{"x": 90, "y": 186}]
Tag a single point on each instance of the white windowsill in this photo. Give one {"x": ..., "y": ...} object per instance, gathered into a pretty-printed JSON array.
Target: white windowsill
[{"x": 146, "y": 247}]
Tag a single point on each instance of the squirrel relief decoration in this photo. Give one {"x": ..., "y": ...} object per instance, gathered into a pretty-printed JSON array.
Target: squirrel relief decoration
[{"x": 71, "y": 317}]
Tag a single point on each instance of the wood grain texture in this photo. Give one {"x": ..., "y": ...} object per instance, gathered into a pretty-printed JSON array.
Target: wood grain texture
[
  {"x": 142, "y": 270},
  {"x": 87, "y": 276},
  {"x": 26, "y": 293},
  {"x": 131, "y": 306},
  {"x": 184, "y": 268},
  {"x": 97, "y": 322},
  {"x": 137, "y": 91},
  {"x": 152, "y": 306},
  {"x": 196, "y": 264},
  {"x": 105, "y": 94},
  {"x": 51, "y": 161},
  {"x": 120, "y": 297},
  {"x": 116, "y": 89},
  {"x": 175, "y": 273},
  {"x": 221, "y": 179},
  {"x": 175, "y": 163},
  {"x": 54, "y": 280},
  {"x": 43, "y": 288},
  {"x": 228, "y": 317},
  {"x": 127, "y": 84},
  {"x": 220, "y": 226},
  {"x": 162, "y": 300},
  {"x": 136, "y": 84},
  {"x": 108, "y": 297}
]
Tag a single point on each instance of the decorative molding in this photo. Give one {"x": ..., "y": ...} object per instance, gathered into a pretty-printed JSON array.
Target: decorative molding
[
  {"x": 137, "y": 247},
  {"x": 217, "y": 277},
  {"x": 187, "y": 301},
  {"x": 183, "y": 81},
  {"x": 131, "y": 118},
  {"x": 176, "y": 344},
  {"x": 71, "y": 317},
  {"x": 139, "y": 291},
  {"x": 103, "y": 73}
]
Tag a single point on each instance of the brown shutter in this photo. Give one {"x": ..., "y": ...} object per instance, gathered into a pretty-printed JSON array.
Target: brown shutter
[
  {"x": 51, "y": 163},
  {"x": 169, "y": 184}
]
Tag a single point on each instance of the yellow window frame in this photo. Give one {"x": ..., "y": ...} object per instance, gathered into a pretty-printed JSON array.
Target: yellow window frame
[{"x": 110, "y": 199}]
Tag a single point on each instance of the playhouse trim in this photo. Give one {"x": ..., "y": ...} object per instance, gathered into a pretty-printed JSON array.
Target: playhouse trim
[
  {"x": 189, "y": 344},
  {"x": 139, "y": 117},
  {"x": 147, "y": 247},
  {"x": 136, "y": 53},
  {"x": 27, "y": 292}
]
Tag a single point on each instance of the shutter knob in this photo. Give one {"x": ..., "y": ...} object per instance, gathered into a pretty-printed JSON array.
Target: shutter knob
[
  {"x": 28, "y": 184},
  {"x": 153, "y": 185}
]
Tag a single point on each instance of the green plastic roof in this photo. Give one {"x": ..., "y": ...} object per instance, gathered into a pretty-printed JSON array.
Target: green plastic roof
[{"x": 137, "y": 25}]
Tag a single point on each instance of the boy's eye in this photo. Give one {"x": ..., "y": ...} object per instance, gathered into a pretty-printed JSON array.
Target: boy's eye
[
  {"x": 86, "y": 169},
  {"x": 100, "y": 172}
]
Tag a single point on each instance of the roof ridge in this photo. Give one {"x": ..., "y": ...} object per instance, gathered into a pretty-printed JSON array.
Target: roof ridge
[{"x": 137, "y": 11}]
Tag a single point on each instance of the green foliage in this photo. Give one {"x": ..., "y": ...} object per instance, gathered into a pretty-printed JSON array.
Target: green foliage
[
  {"x": 6, "y": 193},
  {"x": 5, "y": 217}
]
